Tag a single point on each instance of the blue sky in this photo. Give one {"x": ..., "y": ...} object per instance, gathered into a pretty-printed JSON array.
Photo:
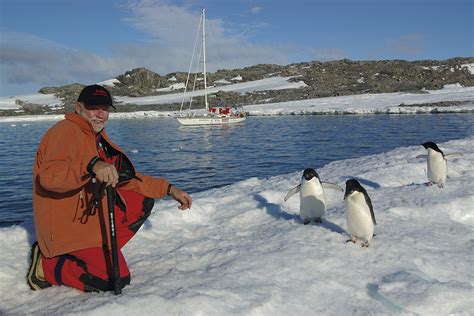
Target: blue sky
[{"x": 57, "y": 42}]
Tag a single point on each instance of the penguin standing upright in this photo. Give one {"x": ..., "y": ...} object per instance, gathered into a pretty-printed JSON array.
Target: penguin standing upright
[
  {"x": 437, "y": 164},
  {"x": 359, "y": 213},
  {"x": 312, "y": 197}
]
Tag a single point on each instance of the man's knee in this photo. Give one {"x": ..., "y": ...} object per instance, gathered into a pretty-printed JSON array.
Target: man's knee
[
  {"x": 69, "y": 267},
  {"x": 95, "y": 284}
]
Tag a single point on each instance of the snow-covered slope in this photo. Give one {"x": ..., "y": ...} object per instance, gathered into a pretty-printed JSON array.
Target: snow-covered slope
[
  {"x": 354, "y": 104},
  {"x": 242, "y": 250}
]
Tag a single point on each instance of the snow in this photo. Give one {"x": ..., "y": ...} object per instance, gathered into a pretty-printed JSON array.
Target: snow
[
  {"x": 175, "y": 86},
  {"x": 242, "y": 250},
  {"x": 432, "y": 67},
  {"x": 352, "y": 104},
  {"x": 470, "y": 67},
  {"x": 222, "y": 81},
  {"x": 237, "y": 78},
  {"x": 8, "y": 103},
  {"x": 109, "y": 83},
  {"x": 273, "y": 83},
  {"x": 373, "y": 103}
]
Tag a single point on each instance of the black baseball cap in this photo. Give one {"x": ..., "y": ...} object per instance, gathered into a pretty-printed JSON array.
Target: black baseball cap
[{"x": 95, "y": 95}]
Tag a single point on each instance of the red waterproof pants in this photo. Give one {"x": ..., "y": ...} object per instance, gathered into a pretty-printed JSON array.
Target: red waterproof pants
[{"x": 90, "y": 269}]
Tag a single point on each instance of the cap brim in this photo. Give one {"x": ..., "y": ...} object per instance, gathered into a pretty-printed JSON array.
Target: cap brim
[{"x": 92, "y": 105}]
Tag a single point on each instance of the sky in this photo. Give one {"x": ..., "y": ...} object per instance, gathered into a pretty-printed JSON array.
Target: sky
[{"x": 57, "y": 42}]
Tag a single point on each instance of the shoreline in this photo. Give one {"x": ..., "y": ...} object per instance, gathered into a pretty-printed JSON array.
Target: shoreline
[
  {"x": 450, "y": 99},
  {"x": 400, "y": 110}
]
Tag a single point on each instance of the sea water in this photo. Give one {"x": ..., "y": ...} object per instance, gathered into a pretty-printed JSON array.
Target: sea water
[{"x": 201, "y": 158}]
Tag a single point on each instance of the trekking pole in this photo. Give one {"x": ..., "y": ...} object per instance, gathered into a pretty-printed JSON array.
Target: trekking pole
[{"x": 113, "y": 240}]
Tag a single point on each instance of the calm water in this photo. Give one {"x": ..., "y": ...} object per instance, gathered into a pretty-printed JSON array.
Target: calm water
[{"x": 200, "y": 158}]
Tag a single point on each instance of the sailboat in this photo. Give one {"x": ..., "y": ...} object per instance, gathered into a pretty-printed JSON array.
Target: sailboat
[{"x": 212, "y": 115}]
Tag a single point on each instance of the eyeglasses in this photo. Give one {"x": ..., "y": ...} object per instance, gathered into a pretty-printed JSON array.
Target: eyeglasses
[{"x": 97, "y": 107}]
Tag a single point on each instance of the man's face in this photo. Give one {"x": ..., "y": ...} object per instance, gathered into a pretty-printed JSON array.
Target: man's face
[{"x": 97, "y": 115}]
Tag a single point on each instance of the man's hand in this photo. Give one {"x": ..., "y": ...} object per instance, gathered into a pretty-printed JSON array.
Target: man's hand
[
  {"x": 106, "y": 173},
  {"x": 184, "y": 199}
]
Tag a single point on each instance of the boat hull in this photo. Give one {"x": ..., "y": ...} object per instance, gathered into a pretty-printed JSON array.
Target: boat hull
[{"x": 205, "y": 120}]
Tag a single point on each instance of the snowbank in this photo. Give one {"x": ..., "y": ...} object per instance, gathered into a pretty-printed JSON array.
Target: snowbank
[
  {"x": 242, "y": 250},
  {"x": 386, "y": 103}
]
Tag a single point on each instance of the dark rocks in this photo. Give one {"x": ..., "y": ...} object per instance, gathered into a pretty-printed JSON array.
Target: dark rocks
[
  {"x": 436, "y": 104},
  {"x": 139, "y": 82},
  {"x": 323, "y": 79}
]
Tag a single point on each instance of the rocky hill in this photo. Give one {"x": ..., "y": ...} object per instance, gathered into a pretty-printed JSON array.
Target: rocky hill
[{"x": 323, "y": 79}]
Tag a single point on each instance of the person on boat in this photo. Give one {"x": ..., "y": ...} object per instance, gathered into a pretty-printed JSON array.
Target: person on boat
[{"x": 74, "y": 163}]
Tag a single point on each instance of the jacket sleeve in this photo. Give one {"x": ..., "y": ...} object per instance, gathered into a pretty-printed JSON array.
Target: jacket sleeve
[
  {"x": 148, "y": 186},
  {"x": 62, "y": 161}
]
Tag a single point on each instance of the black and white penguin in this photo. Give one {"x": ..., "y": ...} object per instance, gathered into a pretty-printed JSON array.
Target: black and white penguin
[
  {"x": 437, "y": 164},
  {"x": 312, "y": 197},
  {"x": 359, "y": 213}
]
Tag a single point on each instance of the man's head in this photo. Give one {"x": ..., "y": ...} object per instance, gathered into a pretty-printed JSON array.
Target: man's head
[{"x": 93, "y": 104}]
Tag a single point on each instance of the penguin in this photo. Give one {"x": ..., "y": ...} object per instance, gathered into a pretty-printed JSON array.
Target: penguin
[
  {"x": 437, "y": 162},
  {"x": 312, "y": 197},
  {"x": 359, "y": 213}
]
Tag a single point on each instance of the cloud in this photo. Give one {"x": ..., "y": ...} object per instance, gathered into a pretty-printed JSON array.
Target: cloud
[
  {"x": 168, "y": 25},
  {"x": 255, "y": 10},
  {"x": 406, "y": 44},
  {"x": 28, "y": 60},
  {"x": 173, "y": 31},
  {"x": 176, "y": 26}
]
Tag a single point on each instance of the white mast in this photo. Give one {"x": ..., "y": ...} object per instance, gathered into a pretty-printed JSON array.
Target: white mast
[{"x": 204, "y": 56}]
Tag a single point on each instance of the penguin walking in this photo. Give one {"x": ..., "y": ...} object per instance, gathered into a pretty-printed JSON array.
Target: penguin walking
[
  {"x": 359, "y": 213},
  {"x": 437, "y": 164},
  {"x": 312, "y": 197}
]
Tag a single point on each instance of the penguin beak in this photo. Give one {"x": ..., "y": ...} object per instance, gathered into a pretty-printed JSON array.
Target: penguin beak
[{"x": 347, "y": 194}]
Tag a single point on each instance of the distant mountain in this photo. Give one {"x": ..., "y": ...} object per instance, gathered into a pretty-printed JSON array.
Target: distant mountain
[{"x": 322, "y": 79}]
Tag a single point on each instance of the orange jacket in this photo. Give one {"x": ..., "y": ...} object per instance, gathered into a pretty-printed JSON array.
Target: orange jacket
[{"x": 62, "y": 188}]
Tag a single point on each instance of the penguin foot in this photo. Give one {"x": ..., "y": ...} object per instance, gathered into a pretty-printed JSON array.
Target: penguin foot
[
  {"x": 306, "y": 222},
  {"x": 318, "y": 220},
  {"x": 429, "y": 183},
  {"x": 441, "y": 185},
  {"x": 352, "y": 239},
  {"x": 365, "y": 244}
]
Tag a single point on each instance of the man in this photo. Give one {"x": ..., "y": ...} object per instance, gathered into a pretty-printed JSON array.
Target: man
[{"x": 74, "y": 163}]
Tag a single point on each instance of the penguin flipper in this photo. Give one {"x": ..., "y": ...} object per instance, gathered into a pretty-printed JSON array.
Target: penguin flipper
[
  {"x": 452, "y": 155},
  {"x": 332, "y": 186},
  {"x": 373, "y": 217},
  {"x": 292, "y": 192},
  {"x": 369, "y": 203}
]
